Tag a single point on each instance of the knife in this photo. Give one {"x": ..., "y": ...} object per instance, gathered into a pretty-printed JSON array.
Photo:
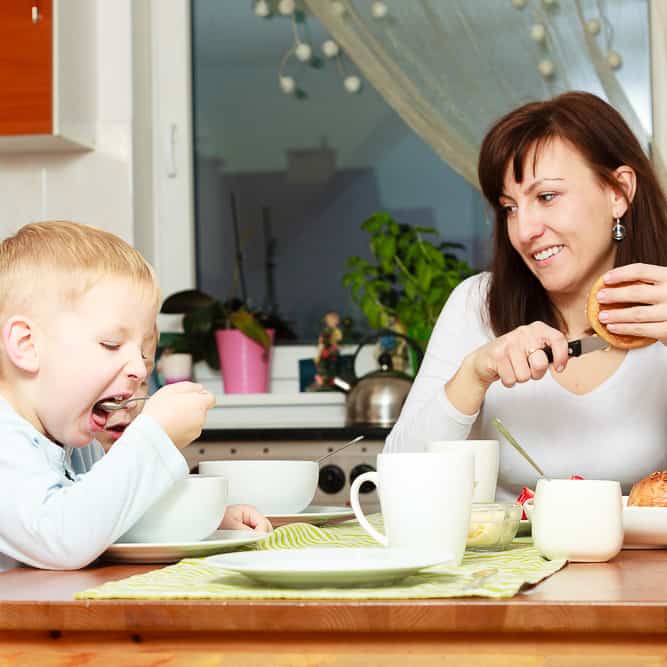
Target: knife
[{"x": 575, "y": 348}]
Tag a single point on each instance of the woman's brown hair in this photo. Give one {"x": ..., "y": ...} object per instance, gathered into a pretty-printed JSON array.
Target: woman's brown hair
[{"x": 605, "y": 141}]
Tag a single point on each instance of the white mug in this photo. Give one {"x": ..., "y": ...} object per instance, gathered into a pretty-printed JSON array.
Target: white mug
[
  {"x": 175, "y": 367},
  {"x": 577, "y": 519},
  {"x": 486, "y": 464},
  {"x": 426, "y": 500}
]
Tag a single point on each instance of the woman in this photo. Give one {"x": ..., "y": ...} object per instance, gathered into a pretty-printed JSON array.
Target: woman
[{"x": 574, "y": 196}]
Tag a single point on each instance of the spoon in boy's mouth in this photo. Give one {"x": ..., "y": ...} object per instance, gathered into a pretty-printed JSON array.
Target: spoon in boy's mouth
[{"x": 112, "y": 406}]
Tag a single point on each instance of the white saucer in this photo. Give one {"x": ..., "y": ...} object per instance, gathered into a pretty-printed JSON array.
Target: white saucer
[
  {"x": 644, "y": 527},
  {"x": 217, "y": 542},
  {"x": 315, "y": 514},
  {"x": 325, "y": 567}
]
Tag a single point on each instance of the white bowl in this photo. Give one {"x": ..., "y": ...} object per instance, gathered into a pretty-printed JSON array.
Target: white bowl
[
  {"x": 190, "y": 511},
  {"x": 273, "y": 487}
]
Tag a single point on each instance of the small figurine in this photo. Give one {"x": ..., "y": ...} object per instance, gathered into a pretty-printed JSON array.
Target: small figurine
[
  {"x": 395, "y": 346},
  {"x": 328, "y": 352}
]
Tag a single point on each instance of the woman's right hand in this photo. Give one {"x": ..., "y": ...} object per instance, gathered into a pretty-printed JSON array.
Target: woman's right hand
[
  {"x": 517, "y": 356},
  {"x": 180, "y": 409}
]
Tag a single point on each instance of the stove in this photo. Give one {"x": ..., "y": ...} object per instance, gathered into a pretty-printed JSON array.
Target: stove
[{"x": 336, "y": 472}]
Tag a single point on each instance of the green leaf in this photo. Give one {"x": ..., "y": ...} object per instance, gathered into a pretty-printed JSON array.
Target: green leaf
[
  {"x": 247, "y": 324},
  {"x": 174, "y": 341}
]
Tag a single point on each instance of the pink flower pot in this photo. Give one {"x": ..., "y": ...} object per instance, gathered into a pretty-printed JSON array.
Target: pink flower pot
[{"x": 244, "y": 364}]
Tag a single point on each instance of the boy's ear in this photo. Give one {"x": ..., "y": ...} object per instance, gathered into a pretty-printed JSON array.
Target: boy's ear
[{"x": 18, "y": 337}]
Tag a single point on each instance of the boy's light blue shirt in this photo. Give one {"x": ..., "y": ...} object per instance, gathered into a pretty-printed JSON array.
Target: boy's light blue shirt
[{"x": 61, "y": 509}]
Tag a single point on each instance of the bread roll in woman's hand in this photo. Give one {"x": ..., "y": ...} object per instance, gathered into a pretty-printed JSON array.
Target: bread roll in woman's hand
[
  {"x": 593, "y": 309},
  {"x": 650, "y": 491}
]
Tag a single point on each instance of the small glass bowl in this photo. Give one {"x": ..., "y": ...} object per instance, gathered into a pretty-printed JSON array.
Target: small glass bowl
[{"x": 493, "y": 526}]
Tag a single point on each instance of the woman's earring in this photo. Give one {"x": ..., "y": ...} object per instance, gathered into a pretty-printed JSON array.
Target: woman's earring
[{"x": 618, "y": 230}]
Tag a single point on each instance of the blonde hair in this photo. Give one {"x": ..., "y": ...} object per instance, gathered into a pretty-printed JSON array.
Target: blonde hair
[{"x": 68, "y": 258}]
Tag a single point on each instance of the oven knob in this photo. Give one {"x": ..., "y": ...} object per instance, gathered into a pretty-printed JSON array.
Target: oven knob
[
  {"x": 332, "y": 479},
  {"x": 366, "y": 487}
]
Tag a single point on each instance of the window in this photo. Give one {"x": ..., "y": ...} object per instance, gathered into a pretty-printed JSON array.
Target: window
[{"x": 303, "y": 173}]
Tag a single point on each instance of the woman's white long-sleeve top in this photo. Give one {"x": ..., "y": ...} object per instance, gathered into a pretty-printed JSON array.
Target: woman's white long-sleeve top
[{"x": 617, "y": 431}]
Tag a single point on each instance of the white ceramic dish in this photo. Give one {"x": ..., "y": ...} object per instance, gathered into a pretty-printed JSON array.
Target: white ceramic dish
[
  {"x": 219, "y": 542},
  {"x": 325, "y": 567},
  {"x": 272, "y": 486},
  {"x": 644, "y": 527},
  {"x": 190, "y": 511},
  {"x": 315, "y": 514}
]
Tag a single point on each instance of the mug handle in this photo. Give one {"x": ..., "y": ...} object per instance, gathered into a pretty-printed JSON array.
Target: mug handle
[{"x": 371, "y": 476}]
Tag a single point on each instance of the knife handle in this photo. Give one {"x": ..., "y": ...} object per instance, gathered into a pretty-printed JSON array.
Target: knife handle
[{"x": 573, "y": 350}]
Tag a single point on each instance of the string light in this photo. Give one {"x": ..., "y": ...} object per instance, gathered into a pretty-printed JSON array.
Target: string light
[
  {"x": 614, "y": 59},
  {"x": 330, "y": 48},
  {"x": 593, "y": 26},
  {"x": 352, "y": 83},
  {"x": 286, "y": 7},
  {"x": 379, "y": 10},
  {"x": 338, "y": 8},
  {"x": 537, "y": 32},
  {"x": 287, "y": 84},
  {"x": 303, "y": 52},
  {"x": 262, "y": 8},
  {"x": 546, "y": 68}
]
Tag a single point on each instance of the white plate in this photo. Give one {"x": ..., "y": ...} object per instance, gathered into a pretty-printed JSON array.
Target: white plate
[
  {"x": 324, "y": 567},
  {"x": 217, "y": 542},
  {"x": 315, "y": 514},
  {"x": 645, "y": 527}
]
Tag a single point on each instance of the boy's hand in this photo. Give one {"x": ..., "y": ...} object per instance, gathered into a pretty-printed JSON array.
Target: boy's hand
[
  {"x": 180, "y": 409},
  {"x": 239, "y": 517}
]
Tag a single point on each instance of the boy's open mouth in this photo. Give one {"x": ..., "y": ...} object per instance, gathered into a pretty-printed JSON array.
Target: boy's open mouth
[{"x": 100, "y": 416}]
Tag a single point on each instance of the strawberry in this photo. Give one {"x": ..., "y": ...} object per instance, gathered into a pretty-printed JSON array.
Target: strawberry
[
  {"x": 576, "y": 477},
  {"x": 525, "y": 494}
]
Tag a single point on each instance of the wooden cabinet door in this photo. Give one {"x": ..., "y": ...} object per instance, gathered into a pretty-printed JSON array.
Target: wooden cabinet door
[{"x": 26, "y": 72}]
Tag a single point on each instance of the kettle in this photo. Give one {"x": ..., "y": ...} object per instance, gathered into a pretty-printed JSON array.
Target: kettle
[{"x": 376, "y": 399}]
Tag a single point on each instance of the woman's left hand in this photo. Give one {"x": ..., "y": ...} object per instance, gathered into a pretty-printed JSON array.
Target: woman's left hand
[
  {"x": 649, "y": 291},
  {"x": 240, "y": 517}
]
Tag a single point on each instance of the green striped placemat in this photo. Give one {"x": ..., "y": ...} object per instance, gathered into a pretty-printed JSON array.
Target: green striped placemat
[{"x": 493, "y": 574}]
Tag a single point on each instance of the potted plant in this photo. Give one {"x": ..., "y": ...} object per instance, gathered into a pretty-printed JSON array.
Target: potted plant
[
  {"x": 227, "y": 335},
  {"x": 411, "y": 277}
]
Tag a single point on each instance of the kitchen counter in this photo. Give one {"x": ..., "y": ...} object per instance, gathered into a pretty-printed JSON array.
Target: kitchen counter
[
  {"x": 615, "y": 613},
  {"x": 330, "y": 434}
]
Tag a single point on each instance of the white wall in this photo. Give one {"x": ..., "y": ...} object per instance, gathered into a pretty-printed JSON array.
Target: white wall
[{"x": 93, "y": 187}]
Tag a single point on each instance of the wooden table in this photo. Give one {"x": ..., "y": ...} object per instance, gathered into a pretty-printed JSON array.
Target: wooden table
[{"x": 609, "y": 614}]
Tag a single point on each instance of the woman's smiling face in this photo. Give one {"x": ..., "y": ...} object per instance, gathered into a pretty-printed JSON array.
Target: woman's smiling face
[{"x": 559, "y": 218}]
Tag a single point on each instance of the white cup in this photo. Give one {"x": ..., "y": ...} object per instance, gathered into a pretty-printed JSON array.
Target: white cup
[
  {"x": 486, "y": 464},
  {"x": 577, "y": 519},
  {"x": 426, "y": 500},
  {"x": 175, "y": 367}
]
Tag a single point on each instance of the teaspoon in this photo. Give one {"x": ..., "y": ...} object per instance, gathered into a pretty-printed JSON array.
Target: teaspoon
[
  {"x": 347, "y": 444},
  {"x": 112, "y": 406},
  {"x": 508, "y": 436}
]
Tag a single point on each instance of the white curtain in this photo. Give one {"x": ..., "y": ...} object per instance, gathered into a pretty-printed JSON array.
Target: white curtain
[{"x": 451, "y": 67}]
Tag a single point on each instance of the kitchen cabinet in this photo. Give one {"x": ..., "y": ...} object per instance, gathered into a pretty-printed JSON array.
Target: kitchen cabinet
[{"x": 47, "y": 75}]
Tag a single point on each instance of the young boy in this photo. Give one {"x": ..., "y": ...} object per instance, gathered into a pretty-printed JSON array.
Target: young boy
[
  {"x": 77, "y": 316},
  {"x": 237, "y": 517}
]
